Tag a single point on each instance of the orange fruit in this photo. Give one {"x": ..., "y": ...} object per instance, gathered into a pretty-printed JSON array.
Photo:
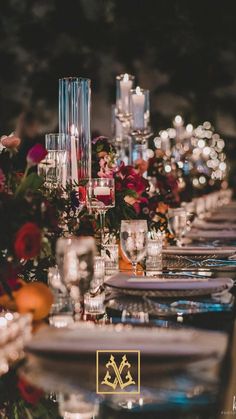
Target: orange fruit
[{"x": 35, "y": 298}]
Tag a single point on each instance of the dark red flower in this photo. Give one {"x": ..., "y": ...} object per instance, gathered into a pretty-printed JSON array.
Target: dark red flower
[
  {"x": 9, "y": 277},
  {"x": 28, "y": 392},
  {"x": 28, "y": 241},
  {"x": 128, "y": 178},
  {"x": 36, "y": 154}
]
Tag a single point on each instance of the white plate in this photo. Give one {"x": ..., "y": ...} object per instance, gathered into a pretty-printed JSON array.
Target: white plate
[
  {"x": 203, "y": 225},
  {"x": 212, "y": 234},
  {"x": 220, "y": 252},
  {"x": 162, "y": 287},
  {"x": 222, "y": 217},
  {"x": 88, "y": 338}
]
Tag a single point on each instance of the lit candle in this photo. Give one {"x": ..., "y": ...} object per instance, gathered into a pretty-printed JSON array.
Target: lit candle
[
  {"x": 178, "y": 121},
  {"x": 138, "y": 102},
  {"x": 118, "y": 129},
  {"x": 125, "y": 87},
  {"x": 60, "y": 320},
  {"x": 74, "y": 168},
  {"x": 101, "y": 190}
]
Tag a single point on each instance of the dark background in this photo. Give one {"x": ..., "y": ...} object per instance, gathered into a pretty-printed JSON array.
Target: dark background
[{"x": 183, "y": 51}]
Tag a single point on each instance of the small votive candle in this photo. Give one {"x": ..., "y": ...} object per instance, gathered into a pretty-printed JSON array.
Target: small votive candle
[
  {"x": 61, "y": 320},
  {"x": 154, "y": 254},
  {"x": 110, "y": 253},
  {"x": 94, "y": 304}
]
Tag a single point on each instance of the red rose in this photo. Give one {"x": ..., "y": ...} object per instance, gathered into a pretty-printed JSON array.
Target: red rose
[
  {"x": 28, "y": 392},
  {"x": 36, "y": 154},
  {"x": 28, "y": 241}
]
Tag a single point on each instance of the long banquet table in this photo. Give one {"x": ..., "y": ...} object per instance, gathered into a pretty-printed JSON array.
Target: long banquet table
[{"x": 202, "y": 389}]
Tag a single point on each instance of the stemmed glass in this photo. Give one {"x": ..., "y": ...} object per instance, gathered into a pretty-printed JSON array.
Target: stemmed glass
[
  {"x": 177, "y": 220},
  {"x": 133, "y": 238},
  {"x": 101, "y": 197},
  {"x": 54, "y": 167},
  {"x": 75, "y": 259}
]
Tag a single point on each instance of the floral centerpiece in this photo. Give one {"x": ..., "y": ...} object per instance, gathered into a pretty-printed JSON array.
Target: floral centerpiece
[
  {"x": 28, "y": 221},
  {"x": 135, "y": 199}
]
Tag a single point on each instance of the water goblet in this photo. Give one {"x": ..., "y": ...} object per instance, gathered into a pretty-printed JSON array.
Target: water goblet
[
  {"x": 177, "y": 220},
  {"x": 133, "y": 238}
]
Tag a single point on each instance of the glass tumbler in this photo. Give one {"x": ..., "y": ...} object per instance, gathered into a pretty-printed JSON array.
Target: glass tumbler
[
  {"x": 154, "y": 254},
  {"x": 110, "y": 253}
]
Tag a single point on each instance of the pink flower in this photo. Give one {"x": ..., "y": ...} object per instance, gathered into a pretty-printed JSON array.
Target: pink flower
[
  {"x": 11, "y": 141},
  {"x": 36, "y": 154},
  {"x": 107, "y": 167}
]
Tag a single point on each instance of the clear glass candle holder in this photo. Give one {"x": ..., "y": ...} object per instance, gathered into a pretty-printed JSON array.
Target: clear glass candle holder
[
  {"x": 154, "y": 254},
  {"x": 140, "y": 111},
  {"x": 110, "y": 253},
  {"x": 124, "y": 83},
  {"x": 99, "y": 272},
  {"x": 94, "y": 305},
  {"x": 74, "y": 123},
  {"x": 61, "y": 320},
  {"x": 54, "y": 167},
  {"x": 100, "y": 195}
]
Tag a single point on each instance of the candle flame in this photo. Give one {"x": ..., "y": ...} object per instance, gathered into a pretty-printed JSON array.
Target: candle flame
[
  {"x": 126, "y": 77},
  {"x": 138, "y": 91},
  {"x": 73, "y": 130},
  {"x": 189, "y": 128},
  {"x": 178, "y": 119}
]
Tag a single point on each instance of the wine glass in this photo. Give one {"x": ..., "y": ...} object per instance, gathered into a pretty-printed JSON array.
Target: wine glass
[
  {"x": 101, "y": 197},
  {"x": 177, "y": 220},
  {"x": 75, "y": 259},
  {"x": 133, "y": 237},
  {"x": 53, "y": 168}
]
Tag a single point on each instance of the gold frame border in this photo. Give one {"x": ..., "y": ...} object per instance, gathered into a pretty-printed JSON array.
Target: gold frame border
[{"x": 138, "y": 352}]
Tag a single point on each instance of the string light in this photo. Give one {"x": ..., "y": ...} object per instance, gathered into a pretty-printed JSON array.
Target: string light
[{"x": 201, "y": 147}]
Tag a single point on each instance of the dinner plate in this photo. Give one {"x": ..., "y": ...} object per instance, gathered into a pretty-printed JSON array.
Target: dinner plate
[
  {"x": 164, "y": 286},
  {"x": 87, "y": 338},
  {"x": 219, "y": 252},
  {"x": 212, "y": 234},
  {"x": 205, "y": 225},
  {"x": 222, "y": 217}
]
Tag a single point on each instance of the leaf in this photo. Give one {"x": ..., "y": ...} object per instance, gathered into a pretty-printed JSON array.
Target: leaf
[
  {"x": 32, "y": 182},
  {"x": 99, "y": 148},
  {"x": 130, "y": 192}
]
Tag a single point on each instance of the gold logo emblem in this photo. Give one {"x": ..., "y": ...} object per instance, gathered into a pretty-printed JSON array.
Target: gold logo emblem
[{"x": 121, "y": 375}]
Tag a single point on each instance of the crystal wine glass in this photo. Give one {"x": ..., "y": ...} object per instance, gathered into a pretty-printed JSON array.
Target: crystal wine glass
[
  {"x": 101, "y": 197},
  {"x": 133, "y": 237},
  {"x": 177, "y": 220},
  {"x": 75, "y": 259},
  {"x": 53, "y": 168}
]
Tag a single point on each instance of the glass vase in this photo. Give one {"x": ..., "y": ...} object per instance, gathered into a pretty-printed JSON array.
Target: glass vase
[{"x": 74, "y": 122}]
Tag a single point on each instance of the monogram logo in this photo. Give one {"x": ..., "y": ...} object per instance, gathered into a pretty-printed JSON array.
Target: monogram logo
[{"x": 121, "y": 376}]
